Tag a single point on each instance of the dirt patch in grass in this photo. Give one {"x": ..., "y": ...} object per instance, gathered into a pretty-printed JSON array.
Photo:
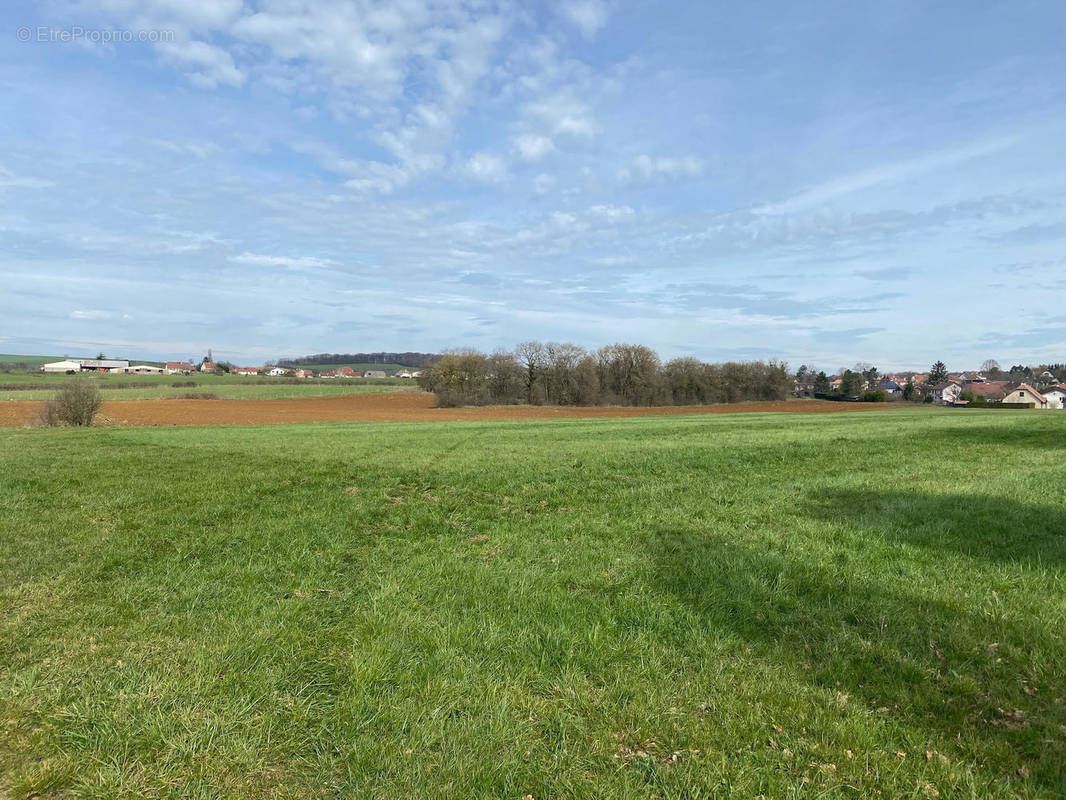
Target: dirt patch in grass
[{"x": 382, "y": 407}]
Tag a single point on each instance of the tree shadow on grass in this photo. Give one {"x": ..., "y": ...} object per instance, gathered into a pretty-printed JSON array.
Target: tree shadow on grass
[
  {"x": 983, "y": 686},
  {"x": 977, "y": 526}
]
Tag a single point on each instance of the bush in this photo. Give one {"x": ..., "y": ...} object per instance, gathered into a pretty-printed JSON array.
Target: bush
[
  {"x": 874, "y": 396},
  {"x": 74, "y": 404},
  {"x": 182, "y": 384},
  {"x": 197, "y": 396}
]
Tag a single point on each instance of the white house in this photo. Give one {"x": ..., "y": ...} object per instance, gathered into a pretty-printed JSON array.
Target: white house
[
  {"x": 278, "y": 372},
  {"x": 1056, "y": 397}
]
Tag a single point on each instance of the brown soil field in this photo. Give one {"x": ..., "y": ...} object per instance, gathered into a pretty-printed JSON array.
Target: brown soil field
[{"x": 383, "y": 407}]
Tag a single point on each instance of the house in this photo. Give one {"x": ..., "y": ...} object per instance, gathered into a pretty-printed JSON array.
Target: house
[
  {"x": 209, "y": 366},
  {"x": 374, "y": 373},
  {"x": 303, "y": 373},
  {"x": 278, "y": 372},
  {"x": 68, "y": 365},
  {"x": 1056, "y": 396},
  {"x": 329, "y": 373},
  {"x": 890, "y": 387},
  {"x": 989, "y": 390},
  {"x": 947, "y": 393},
  {"x": 345, "y": 372},
  {"x": 178, "y": 368},
  {"x": 245, "y": 370},
  {"x": 1024, "y": 393}
]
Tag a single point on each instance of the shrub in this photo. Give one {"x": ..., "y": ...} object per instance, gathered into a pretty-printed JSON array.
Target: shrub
[
  {"x": 874, "y": 396},
  {"x": 197, "y": 396},
  {"x": 74, "y": 404},
  {"x": 182, "y": 384}
]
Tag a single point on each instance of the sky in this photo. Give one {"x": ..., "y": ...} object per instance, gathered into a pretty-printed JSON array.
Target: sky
[{"x": 821, "y": 182}]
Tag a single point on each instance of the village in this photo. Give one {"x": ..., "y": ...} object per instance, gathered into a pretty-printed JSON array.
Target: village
[
  {"x": 1021, "y": 387},
  {"x": 72, "y": 366}
]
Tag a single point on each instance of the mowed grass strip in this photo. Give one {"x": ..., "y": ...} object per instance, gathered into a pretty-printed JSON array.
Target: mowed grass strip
[{"x": 681, "y": 607}]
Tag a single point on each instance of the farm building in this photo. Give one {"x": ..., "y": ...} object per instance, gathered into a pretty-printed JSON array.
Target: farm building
[
  {"x": 138, "y": 369},
  {"x": 85, "y": 365},
  {"x": 178, "y": 368},
  {"x": 61, "y": 366},
  {"x": 374, "y": 373},
  {"x": 246, "y": 370}
]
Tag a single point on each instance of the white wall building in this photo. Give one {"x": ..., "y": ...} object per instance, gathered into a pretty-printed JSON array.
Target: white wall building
[
  {"x": 1056, "y": 397},
  {"x": 62, "y": 366}
]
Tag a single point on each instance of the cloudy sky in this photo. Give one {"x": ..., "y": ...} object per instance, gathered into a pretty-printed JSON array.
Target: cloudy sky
[{"x": 822, "y": 182}]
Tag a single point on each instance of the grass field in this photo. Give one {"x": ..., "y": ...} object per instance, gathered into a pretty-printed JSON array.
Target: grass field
[
  {"x": 31, "y": 361},
  {"x": 38, "y": 386},
  {"x": 851, "y": 605}
]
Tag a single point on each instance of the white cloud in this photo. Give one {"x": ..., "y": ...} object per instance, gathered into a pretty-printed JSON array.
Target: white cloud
[
  {"x": 589, "y": 16},
  {"x": 569, "y": 119},
  {"x": 486, "y": 168},
  {"x": 886, "y": 174},
  {"x": 612, "y": 213},
  {"x": 262, "y": 260},
  {"x": 533, "y": 147},
  {"x": 543, "y": 183},
  {"x": 9, "y": 180},
  {"x": 646, "y": 168},
  {"x": 209, "y": 65},
  {"x": 90, "y": 314}
]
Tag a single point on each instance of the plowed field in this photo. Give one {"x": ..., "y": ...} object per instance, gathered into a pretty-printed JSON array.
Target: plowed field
[{"x": 385, "y": 407}]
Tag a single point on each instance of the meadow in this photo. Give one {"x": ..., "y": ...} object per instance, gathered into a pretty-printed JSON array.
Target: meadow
[
  {"x": 844, "y": 605},
  {"x": 39, "y": 386}
]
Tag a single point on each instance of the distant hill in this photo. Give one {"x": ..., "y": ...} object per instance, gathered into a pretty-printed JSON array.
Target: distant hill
[
  {"x": 30, "y": 361},
  {"x": 363, "y": 361}
]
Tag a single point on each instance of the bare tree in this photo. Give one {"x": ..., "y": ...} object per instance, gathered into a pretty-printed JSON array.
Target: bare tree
[{"x": 531, "y": 356}]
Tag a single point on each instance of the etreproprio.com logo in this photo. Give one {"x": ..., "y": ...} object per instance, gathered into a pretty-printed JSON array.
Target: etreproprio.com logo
[{"x": 76, "y": 33}]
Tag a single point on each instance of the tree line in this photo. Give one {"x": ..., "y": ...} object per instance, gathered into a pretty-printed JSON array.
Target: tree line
[
  {"x": 553, "y": 373},
  {"x": 403, "y": 359}
]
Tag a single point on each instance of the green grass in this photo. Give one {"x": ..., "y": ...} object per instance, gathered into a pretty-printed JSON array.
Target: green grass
[
  {"x": 141, "y": 387},
  {"x": 853, "y": 605},
  {"x": 30, "y": 361}
]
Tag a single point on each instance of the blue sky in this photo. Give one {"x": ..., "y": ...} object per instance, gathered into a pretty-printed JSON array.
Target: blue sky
[{"x": 822, "y": 182}]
